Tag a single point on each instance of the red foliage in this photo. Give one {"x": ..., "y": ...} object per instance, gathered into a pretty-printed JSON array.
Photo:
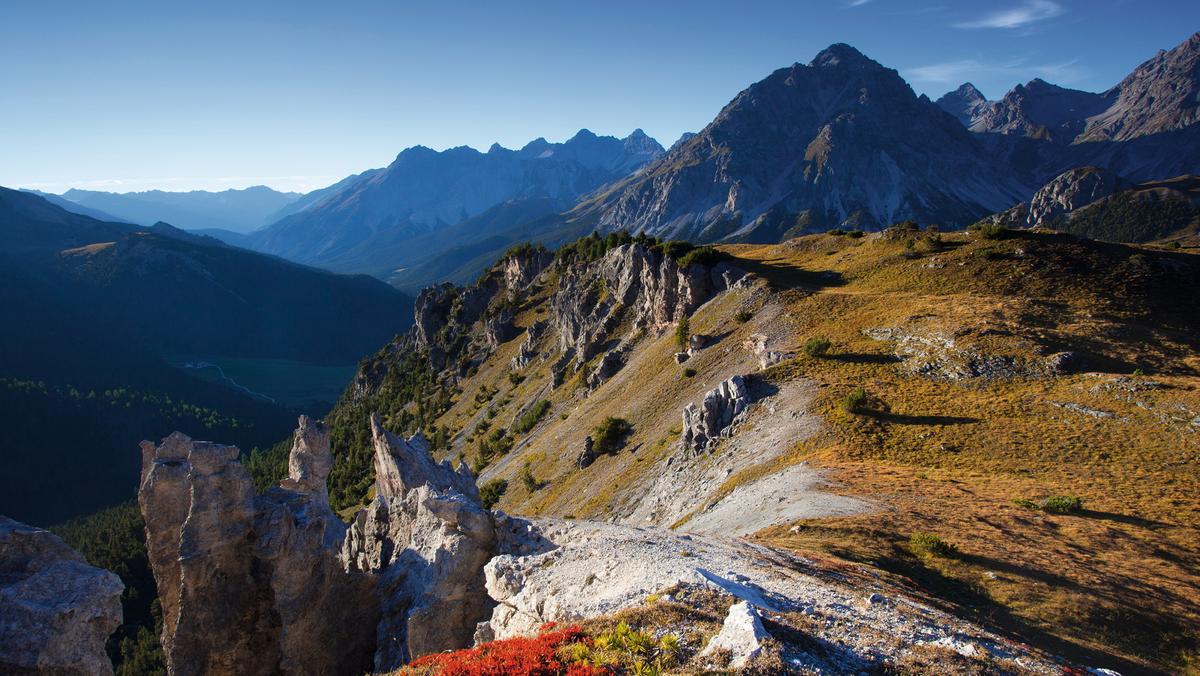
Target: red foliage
[{"x": 517, "y": 656}]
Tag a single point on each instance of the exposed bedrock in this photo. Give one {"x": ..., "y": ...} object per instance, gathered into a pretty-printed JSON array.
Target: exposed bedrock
[
  {"x": 715, "y": 417},
  {"x": 56, "y": 611},
  {"x": 630, "y": 285},
  {"x": 425, "y": 538},
  {"x": 260, "y": 584}
]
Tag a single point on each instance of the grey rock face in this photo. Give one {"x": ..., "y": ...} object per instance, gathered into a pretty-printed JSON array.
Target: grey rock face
[
  {"x": 445, "y": 316},
  {"x": 251, "y": 584},
  {"x": 1071, "y": 190},
  {"x": 609, "y": 364},
  {"x": 722, "y": 408},
  {"x": 1039, "y": 110},
  {"x": 425, "y": 538},
  {"x": 529, "y": 347},
  {"x": 630, "y": 284},
  {"x": 277, "y": 583},
  {"x": 1160, "y": 95},
  {"x": 840, "y": 140},
  {"x": 588, "y": 455},
  {"x": 56, "y": 611}
]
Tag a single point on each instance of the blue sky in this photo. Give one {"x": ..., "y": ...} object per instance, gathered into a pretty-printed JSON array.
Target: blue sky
[{"x": 208, "y": 95}]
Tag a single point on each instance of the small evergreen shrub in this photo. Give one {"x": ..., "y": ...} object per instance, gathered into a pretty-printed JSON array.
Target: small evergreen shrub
[
  {"x": 743, "y": 316},
  {"x": 689, "y": 372},
  {"x": 855, "y": 234},
  {"x": 528, "y": 480},
  {"x": 609, "y": 436},
  {"x": 992, "y": 231},
  {"x": 531, "y": 417},
  {"x": 491, "y": 492},
  {"x": 817, "y": 346},
  {"x": 855, "y": 400},
  {"x": 931, "y": 544},
  {"x": 1062, "y": 504},
  {"x": 683, "y": 331}
]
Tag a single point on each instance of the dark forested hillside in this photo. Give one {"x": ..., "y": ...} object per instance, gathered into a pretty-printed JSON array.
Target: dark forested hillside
[{"x": 94, "y": 315}]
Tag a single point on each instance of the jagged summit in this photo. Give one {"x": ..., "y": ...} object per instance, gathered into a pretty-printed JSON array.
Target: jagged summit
[
  {"x": 371, "y": 223},
  {"x": 964, "y": 103},
  {"x": 841, "y": 54},
  {"x": 1161, "y": 95},
  {"x": 844, "y": 139}
]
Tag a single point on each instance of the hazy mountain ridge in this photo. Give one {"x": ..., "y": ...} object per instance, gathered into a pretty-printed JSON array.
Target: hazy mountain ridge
[
  {"x": 366, "y": 225},
  {"x": 240, "y": 210}
]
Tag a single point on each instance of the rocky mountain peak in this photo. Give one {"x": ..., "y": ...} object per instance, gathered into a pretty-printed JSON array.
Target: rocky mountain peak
[
  {"x": 1160, "y": 95},
  {"x": 964, "y": 103},
  {"x": 815, "y": 145},
  {"x": 969, "y": 92},
  {"x": 841, "y": 54}
]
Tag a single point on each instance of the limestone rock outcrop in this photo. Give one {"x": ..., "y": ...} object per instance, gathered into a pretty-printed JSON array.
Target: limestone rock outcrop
[
  {"x": 722, "y": 408},
  {"x": 588, "y": 455},
  {"x": 445, "y": 315},
  {"x": 425, "y": 538},
  {"x": 251, "y": 584},
  {"x": 630, "y": 285},
  {"x": 759, "y": 346},
  {"x": 528, "y": 347},
  {"x": 742, "y": 634},
  {"x": 1069, "y": 191},
  {"x": 56, "y": 611},
  {"x": 276, "y": 583}
]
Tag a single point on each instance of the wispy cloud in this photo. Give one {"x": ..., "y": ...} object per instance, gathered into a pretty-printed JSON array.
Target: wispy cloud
[
  {"x": 957, "y": 72},
  {"x": 856, "y": 3},
  {"x": 1029, "y": 12}
]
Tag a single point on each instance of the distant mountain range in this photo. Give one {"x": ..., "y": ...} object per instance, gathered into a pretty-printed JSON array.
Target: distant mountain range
[
  {"x": 373, "y": 221},
  {"x": 840, "y": 142},
  {"x": 238, "y": 211},
  {"x": 93, "y": 309}
]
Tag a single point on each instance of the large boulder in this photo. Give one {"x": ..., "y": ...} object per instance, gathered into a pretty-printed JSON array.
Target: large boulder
[
  {"x": 742, "y": 634},
  {"x": 56, "y": 611},
  {"x": 722, "y": 408}
]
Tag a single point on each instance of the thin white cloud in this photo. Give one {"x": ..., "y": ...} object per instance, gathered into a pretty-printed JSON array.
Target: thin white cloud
[
  {"x": 1029, "y": 12},
  {"x": 856, "y": 3},
  {"x": 957, "y": 72}
]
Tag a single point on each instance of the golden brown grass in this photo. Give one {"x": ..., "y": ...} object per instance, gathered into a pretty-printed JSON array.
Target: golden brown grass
[{"x": 1115, "y": 585}]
